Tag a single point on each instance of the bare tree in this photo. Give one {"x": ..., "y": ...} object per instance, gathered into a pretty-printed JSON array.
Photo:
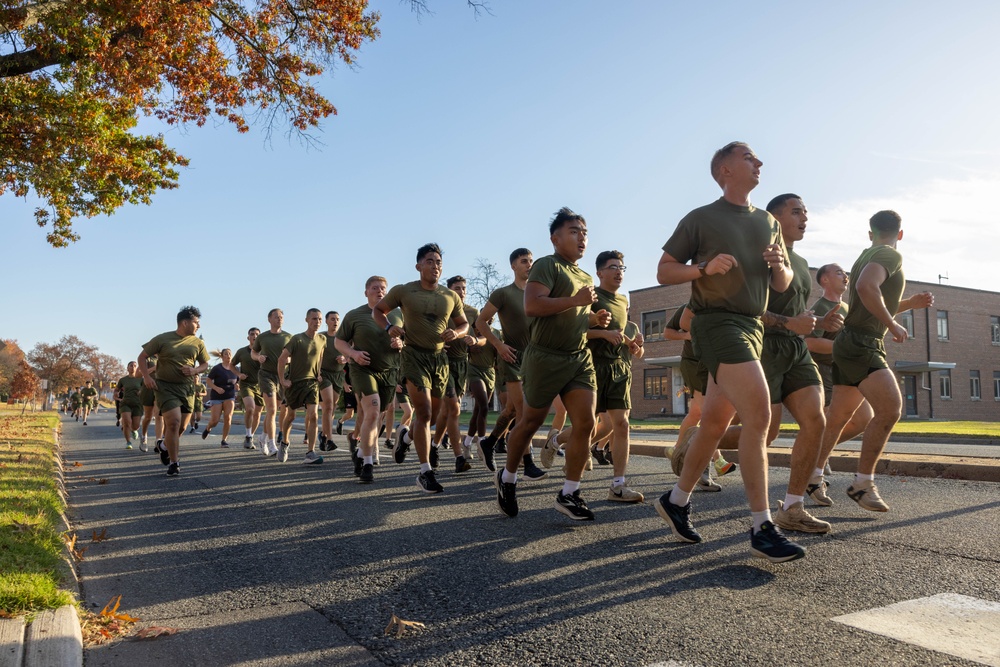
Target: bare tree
[{"x": 484, "y": 279}]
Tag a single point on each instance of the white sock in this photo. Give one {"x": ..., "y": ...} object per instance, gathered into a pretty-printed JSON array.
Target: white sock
[
  {"x": 570, "y": 487},
  {"x": 468, "y": 441},
  {"x": 247, "y": 429},
  {"x": 791, "y": 500},
  {"x": 679, "y": 497},
  {"x": 406, "y": 437},
  {"x": 618, "y": 481},
  {"x": 817, "y": 472},
  {"x": 508, "y": 477},
  {"x": 863, "y": 478},
  {"x": 759, "y": 518},
  {"x": 425, "y": 467},
  {"x": 368, "y": 460}
]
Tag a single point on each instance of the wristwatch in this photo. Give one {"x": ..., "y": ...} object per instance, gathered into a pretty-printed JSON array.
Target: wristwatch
[
  {"x": 701, "y": 267},
  {"x": 388, "y": 326}
]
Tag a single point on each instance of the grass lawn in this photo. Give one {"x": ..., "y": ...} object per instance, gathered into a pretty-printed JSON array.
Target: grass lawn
[{"x": 30, "y": 541}]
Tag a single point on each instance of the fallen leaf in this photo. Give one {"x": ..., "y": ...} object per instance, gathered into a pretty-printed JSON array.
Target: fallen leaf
[
  {"x": 78, "y": 553},
  {"x": 154, "y": 631},
  {"x": 77, "y": 464},
  {"x": 103, "y": 480},
  {"x": 400, "y": 625},
  {"x": 99, "y": 537}
]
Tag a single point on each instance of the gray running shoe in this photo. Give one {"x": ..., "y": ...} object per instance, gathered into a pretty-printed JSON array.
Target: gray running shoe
[
  {"x": 866, "y": 495},
  {"x": 795, "y": 517}
]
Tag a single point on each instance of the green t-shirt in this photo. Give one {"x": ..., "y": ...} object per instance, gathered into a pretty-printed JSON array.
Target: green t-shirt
[
  {"x": 565, "y": 331},
  {"x": 330, "y": 354},
  {"x": 271, "y": 345},
  {"x": 617, "y": 305},
  {"x": 675, "y": 324},
  {"x": 200, "y": 390},
  {"x": 427, "y": 313},
  {"x": 892, "y": 287},
  {"x": 723, "y": 228},
  {"x": 395, "y": 317},
  {"x": 174, "y": 352},
  {"x": 457, "y": 349},
  {"x": 306, "y": 356},
  {"x": 360, "y": 329},
  {"x": 75, "y": 397},
  {"x": 247, "y": 365},
  {"x": 509, "y": 302},
  {"x": 821, "y": 308},
  {"x": 794, "y": 300},
  {"x": 484, "y": 356},
  {"x": 88, "y": 393},
  {"x": 129, "y": 387}
]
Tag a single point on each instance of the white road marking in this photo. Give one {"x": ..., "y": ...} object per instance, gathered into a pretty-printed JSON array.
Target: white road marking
[{"x": 959, "y": 625}]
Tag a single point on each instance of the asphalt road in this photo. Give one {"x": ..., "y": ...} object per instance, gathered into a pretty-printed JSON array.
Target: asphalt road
[{"x": 284, "y": 564}]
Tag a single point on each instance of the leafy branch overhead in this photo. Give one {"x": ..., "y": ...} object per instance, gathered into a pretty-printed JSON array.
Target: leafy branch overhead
[{"x": 76, "y": 76}]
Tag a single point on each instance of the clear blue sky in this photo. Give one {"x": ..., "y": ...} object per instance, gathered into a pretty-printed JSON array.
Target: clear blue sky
[{"x": 471, "y": 133}]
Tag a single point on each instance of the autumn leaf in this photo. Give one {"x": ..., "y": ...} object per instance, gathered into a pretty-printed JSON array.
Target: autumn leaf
[
  {"x": 112, "y": 612},
  {"x": 99, "y": 537},
  {"x": 154, "y": 631},
  {"x": 78, "y": 553},
  {"x": 103, "y": 480},
  {"x": 401, "y": 626},
  {"x": 77, "y": 464}
]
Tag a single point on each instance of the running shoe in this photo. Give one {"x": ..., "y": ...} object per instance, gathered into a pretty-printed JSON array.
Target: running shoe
[
  {"x": 283, "y": 452},
  {"x": 462, "y": 465},
  {"x": 486, "y": 453},
  {"x": 506, "y": 495},
  {"x": 623, "y": 494},
  {"x": 867, "y": 496},
  {"x": 501, "y": 446},
  {"x": 399, "y": 453},
  {"x": 367, "y": 475},
  {"x": 128, "y": 445},
  {"x": 340, "y": 428},
  {"x": 427, "y": 482},
  {"x": 433, "y": 457},
  {"x": 574, "y": 506},
  {"x": 816, "y": 489},
  {"x": 248, "y": 442},
  {"x": 143, "y": 447},
  {"x": 795, "y": 517},
  {"x": 680, "y": 451},
  {"x": 531, "y": 471},
  {"x": 162, "y": 451},
  {"x": 312, "y": 458},
  {"x": 224, "y": 444},
  {"x": 598, "y": 454},
  {"x": 173, "y": 470},
  {"x": 724, "y": 467},
  {"x": 770, "y": 543},
  {"x": 135, "y": 436},
  {"x": 549, "y": 449},
  {"x": 321, "y": 445},
  {"x": 381, "y": 431},
  {"x": 706, "y": 483},
  {"x": 678, "y": 518}
]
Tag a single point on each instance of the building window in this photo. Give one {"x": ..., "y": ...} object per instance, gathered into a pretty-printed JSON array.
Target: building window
[
  {"x": 996, "y": 385},
  {"x": 995, "y": 329},
  {"x": 944, "y": 378},
  {"x": 942, "y": 321},
  {"x": 656, "y": 383},
  {"x": 905, "y": 320},
  {"x": 653, "y": 323},
  {"x": 975, "y": 389}
]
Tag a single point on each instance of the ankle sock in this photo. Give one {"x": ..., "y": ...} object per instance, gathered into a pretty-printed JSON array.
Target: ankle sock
[
  {"x": 679, "y": 497},
  {"x": 570, "y": 487},
  {"x": 759, "y": 518}
]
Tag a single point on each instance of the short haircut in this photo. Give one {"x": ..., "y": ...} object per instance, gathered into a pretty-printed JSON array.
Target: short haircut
[
  {"x": 778, "y": 202},
  {"x": 332, "y": 312},
  {"x": 721, "y": 155},
  {"x": 564, "y": 216},
  {"x": 375, "y": 279},
  {"x": 518, "y": 254},
  {"x": 455, "y": 279},
  {"x": 187, "y": 313},
  {"x": 608, "y": 255},
  {"x": 313, "y": 310},
  {"x": 822, "y": 271},
  {"x": 427, "y": 249},
  {"x": 252, "y": 329},
  {"x": 273, "y": 311},
  {"x": 885, "y": 223}
]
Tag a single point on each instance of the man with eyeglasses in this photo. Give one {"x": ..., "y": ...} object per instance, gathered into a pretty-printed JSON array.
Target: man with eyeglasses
[{"x": 612, "y": 347}]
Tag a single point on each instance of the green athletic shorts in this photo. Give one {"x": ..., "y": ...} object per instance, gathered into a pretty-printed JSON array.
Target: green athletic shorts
[
  {"x": 269, "y": 385},
  {"x": 401, "y": 395},
  {"x": 458, "y": 378},
  {"x": 333, "y": 379},
  {"x": 614, "y": 385},
  {"x": 170, "y": 395},
  {"x": 695, "y": 375},
  {"x": 302, "y": 393},
  {"x": 369, "y": 383},
  {"x": 130, "y": 408},
  {"x": 510, "y": 372},
  {"x": 426, "y": 369},
  {"x": 548, "y": 374},
  {"x": 826, "y": 375},
  {"x": 856, "y": 355},
  {"x": 788, "y": 366},
  {"x": 251, "y": 391},
  {"x": 726, "y": 338},
  {"x": 485, "y": 375},
  {"x": 147, "y": 396}
]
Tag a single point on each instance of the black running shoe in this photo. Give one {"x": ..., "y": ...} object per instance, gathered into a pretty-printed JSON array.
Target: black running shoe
[
  {"x": 506, "y": 495},
  {"x": 598, "y": 455},
  {"x": 486, "y": 454},
  {"x": 248, "y": 442},
  {"x": 367, "y": 475},
  {"x": 164, "y": 455},
  {"x": 608, "y": 455},
  {"x": 770, "y": 543},
  {"x": 399, "y": 452},
  {"x": 204, "y": 434},
  {"x": 533, "y": 472},
  {"x": 574, "y": 506},
  {"x": 461, "y": 465},
  {"x": 501, "y": 446},
  {"x": 173, "y": 470},
  {"x": 381, "y": 431},
  {"x": 321, "y": 445},
  {"x": 280, "y": 439},
  {"x": 224, "y": 444},
  {"x": 427, "y": 482},
  {"x": 678, "y": 518},
  {"x": 445, "y": 441},
  {"x": 359, "y": 464},
  {"x": 433, "y": 458},
  {"x": 340, "y": 428},
  {"x": 388, "y": 443}
]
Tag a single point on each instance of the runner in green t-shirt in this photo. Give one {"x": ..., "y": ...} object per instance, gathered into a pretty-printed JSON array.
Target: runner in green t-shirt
[
  {"x": 127, "y": 391},
  {"x": 253, "y": 401},
  {"x": 432, "y": 316},
  {"x": 332, "y": 383},
  {"x": 737, "y": 255},
  {"x": 303, "y": 355},
  {"x": 200, "y": 390},
  {"x": 507, "y": 303},
  {"x": 266, "y": 350},
  {"x": 860, "y": 370},
  {"x": 88, "y": 400},
  {"x": 557, "y": 362},
  {"x": 180, "y": 356},
  {"x": 612, "y": 349},
  {"x": 482, "y": 382},
  {"x": 458, "y": 380},
  {"x": 370, "y": 351}
]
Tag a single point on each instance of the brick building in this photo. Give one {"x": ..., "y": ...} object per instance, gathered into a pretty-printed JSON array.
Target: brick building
[{"x": 948, "y": 369}]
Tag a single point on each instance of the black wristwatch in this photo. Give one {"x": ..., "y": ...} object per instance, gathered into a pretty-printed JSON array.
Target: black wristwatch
[
  {"x": 701, "y": 267},
  {"x": 388, "y": 326}
]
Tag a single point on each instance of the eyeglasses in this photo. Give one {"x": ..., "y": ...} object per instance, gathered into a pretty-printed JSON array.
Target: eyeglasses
[{"x": 615, "y": 267}]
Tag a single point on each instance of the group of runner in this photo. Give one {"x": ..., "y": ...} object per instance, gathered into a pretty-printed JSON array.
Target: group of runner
[{"x": 753, "y": 345}]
